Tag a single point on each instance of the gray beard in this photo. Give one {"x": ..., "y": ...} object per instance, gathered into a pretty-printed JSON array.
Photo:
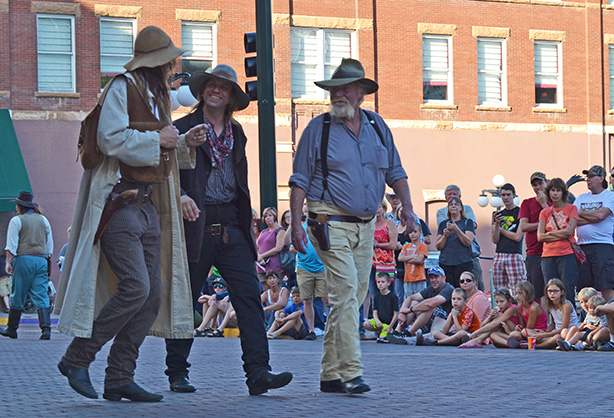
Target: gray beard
[{"x": 346, "y": 111}]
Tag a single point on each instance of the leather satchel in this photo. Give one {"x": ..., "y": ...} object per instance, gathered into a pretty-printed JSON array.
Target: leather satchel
[
  {"x": 89, "y": 154},
  {"x": 141, "y": 119}
]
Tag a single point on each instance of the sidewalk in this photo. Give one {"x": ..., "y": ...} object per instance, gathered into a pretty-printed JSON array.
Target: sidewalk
[{"x": 407, "y": 381}]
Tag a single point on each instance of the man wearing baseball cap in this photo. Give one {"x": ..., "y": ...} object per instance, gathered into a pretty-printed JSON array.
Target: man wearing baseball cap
[
  {"x": 595, "y": 226},
  {"x": 426, "y": 311},
  {"x": 529, "y": 219}
]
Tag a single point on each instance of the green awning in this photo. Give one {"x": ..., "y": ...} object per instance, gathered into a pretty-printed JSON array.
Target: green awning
[{"x": 13, "y": 174}]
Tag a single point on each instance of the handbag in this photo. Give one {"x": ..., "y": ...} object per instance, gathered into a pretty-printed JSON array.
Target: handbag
[{"x": 580, "y": 256}]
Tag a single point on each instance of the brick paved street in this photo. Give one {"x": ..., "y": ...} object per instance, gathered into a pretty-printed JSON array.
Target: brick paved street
[{"x": 407, "y": 381}]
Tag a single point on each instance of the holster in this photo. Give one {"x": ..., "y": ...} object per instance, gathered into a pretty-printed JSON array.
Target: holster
[
  {"x": 319, "y": 227},
  {"x": 115, "y": 202}
]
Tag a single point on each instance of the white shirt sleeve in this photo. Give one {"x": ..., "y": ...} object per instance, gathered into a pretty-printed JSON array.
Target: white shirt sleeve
[
  {"x": 49, "y": 237},
  {"x": 12, "y": 235}
]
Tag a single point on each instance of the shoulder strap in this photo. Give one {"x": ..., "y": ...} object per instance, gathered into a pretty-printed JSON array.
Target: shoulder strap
[
  {"x": 554, "y": 217},
  {"x": 106, "y": 88},
  {"x": 324, "y": 152},
  {"x": 377, "y": 129}
]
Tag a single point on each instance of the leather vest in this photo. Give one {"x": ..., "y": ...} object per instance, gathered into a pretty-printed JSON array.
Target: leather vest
[{"x": 141, "y": 119}]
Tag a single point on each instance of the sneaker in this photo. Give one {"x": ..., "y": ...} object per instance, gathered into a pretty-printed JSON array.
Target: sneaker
[
  {"x": 383, "y": 340},
  {"x": 428, "y": 341},
  {"x": 608, "y": 346},
  {"x": 319, "y": 332},
  {"x": 311, "y": 336},
  {"x": 419, "y": 337},
  {"x": 563, "y": 345},
  {"x": 397, "y": 338}
]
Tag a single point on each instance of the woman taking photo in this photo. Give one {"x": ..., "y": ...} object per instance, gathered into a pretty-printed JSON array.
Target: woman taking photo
[
  {"x": 454, "y": 237},
  {"x": 556, "y": 230}
]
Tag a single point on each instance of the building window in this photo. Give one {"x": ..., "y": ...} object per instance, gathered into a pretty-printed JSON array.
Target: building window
[
  {"x": 56, "y": 53},
  {"x": 548, "y": 83},
  {"x": 611, "y": 50},
  {"x": 198, "y": 39},
  {"x": 116, "y": 46},
  {"x": 491, "y": 72},
  {"x": 436, "y": 69},
  {"x": 315, "y": 53}
]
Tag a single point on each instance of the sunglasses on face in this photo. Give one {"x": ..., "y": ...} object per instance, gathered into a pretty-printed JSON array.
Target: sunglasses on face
[
  {"x": 218, "y": 286},
  {"x": 461, "y": 281}
]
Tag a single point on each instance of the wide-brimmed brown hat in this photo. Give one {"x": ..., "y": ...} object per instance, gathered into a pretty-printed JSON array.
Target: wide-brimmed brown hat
[
  {"x": 152, "y": 48},
  {"x": 26, "y": 199},
  {"x": 221, "y": 72},
  {"x": 349, "y": 71}
]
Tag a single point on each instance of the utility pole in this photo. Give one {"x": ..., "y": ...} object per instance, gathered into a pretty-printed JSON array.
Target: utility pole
[{"x": 266, "y": 104}]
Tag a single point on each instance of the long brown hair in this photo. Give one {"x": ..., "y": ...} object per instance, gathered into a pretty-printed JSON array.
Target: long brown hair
[{"x": 156, "y": 80}]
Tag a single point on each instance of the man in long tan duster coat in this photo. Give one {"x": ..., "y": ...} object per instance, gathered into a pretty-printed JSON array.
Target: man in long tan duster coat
[{"x": 88, "y": 295}]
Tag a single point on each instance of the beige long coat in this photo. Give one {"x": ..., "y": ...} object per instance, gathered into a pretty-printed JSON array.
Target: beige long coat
[{"x": 87, "y": 281}]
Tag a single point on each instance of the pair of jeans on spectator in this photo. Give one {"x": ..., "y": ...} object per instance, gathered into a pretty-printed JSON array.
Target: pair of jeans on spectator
[{"x": 564, "y": 267}]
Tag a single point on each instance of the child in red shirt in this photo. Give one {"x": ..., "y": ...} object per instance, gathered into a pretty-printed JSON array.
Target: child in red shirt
[{"x": 464, "y": 320}]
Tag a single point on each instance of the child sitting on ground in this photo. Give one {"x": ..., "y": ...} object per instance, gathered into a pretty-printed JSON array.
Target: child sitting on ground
[
  {"x": 562, "y": 316},
  {"x": 531, "y": 314},
  {"x": 499, "y": 324},
  {"x": 413, "y": 255},
  {"x": 608, "y": 311},
  {"x": 582, "y": 336},
  {"x": 216, "y": 305},
  {"x": 385, "y": 309},
  {"x": 462, "y": 318},
  {"x": 291, "y": 320}
]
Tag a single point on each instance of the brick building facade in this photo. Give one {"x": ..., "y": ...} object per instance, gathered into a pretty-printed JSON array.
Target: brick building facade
[{"x": 470, "y": 88}]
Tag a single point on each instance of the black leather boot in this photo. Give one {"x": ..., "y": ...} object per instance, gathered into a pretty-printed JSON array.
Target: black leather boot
[
  {"x": 44, "y": 320},
  {"x": 12, "y": 324}
]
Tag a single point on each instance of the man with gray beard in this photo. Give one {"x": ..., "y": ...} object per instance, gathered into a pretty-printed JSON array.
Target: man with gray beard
[{"x": 342, "y": 164}]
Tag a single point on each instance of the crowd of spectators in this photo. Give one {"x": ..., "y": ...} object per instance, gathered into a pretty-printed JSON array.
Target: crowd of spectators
[{"x": 533, "y": 299}]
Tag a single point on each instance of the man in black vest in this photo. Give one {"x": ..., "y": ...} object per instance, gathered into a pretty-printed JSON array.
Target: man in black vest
[{"x": 217, "y": 211}]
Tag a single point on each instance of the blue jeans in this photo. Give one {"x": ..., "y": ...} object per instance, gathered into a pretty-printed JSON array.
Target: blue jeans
[{"x": 564, "y": 267}]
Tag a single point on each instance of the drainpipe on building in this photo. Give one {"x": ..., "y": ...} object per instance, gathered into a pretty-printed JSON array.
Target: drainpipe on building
[
  {"x": 604, "y": 136},
  {"x": 375, "y": 51}
]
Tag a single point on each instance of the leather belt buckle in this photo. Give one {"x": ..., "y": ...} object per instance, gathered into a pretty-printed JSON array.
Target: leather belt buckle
[{"x": 217, "y": 229}]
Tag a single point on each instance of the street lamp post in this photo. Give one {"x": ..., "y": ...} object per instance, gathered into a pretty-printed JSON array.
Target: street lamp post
[
  {"x": 182, "y": 96},
  {"x": 495, "y": 201}
]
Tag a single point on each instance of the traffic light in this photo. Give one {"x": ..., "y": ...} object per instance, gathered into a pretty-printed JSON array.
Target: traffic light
[{"x": 251, "y": 68}]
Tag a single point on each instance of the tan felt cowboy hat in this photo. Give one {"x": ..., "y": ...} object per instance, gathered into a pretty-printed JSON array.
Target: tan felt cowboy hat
[
  {"x": 152, "y": 48},
  {"x": 349, "y": 71},
  {"x": 220, "y": 72}
]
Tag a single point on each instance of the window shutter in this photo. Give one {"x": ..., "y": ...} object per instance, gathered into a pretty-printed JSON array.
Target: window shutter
[
  {"x": 198, "y": 40},
  {"x": 304, "y": 58},
  {"x": 336, "y": 46},
  {"x": 55, "y": 51},
  {"x": 116, "y": 45},
  {"x": 490, "y": 68},
  {"x": 435, "y": 61},
  {"x": 546, "y": 65}
]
